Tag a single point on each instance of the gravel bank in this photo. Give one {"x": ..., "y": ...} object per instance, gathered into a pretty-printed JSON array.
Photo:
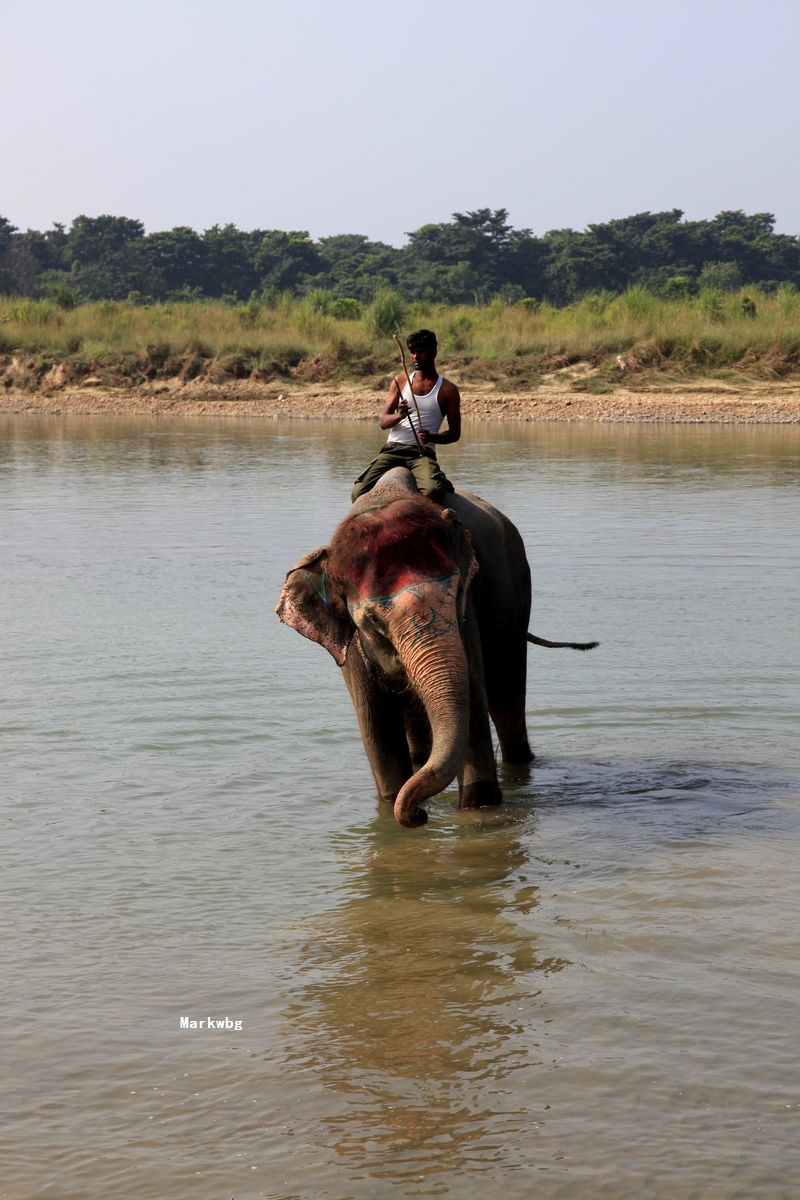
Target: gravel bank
[{"x": 773, "y": 403}]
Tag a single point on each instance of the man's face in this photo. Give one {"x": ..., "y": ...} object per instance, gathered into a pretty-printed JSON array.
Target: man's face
[{"x": 422, "y": 359}]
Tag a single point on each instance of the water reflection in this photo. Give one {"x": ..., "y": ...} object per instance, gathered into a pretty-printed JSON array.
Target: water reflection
[
  {"x": 414, "y": 1012},
  {"x": 703, "y": 454}
]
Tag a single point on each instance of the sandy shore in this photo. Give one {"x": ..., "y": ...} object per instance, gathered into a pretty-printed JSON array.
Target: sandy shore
[{"x": 698, "y": 403}]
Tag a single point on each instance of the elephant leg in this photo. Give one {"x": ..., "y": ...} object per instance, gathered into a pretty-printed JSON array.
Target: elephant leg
[
  {"x": 380, "y": 719},
  {"x": 418, "y": 734},
  {"x": 506, "y": 674},
  {"x": 477, "y": 778}
]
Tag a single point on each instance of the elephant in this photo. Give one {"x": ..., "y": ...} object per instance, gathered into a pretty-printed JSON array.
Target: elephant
[{"x": 425, "y": 609}]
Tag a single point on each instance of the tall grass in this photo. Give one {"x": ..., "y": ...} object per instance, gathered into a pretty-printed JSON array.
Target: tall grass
[{"x": 320, "y": 338}]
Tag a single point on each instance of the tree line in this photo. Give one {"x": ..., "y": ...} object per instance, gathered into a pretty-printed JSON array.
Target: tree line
[{"x": 468, "y": 260}]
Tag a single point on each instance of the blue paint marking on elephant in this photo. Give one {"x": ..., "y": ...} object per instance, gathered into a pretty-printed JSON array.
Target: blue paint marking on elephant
[
  {"x": 439, "y": 624},
  {"x": 321, "y": 590},
  {"x": 427, "y": 629},
  {"x": 418, "y": 587}
]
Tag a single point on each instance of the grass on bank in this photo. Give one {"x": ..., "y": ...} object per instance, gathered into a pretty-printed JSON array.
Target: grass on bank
[{"x": 317, "y": 339}]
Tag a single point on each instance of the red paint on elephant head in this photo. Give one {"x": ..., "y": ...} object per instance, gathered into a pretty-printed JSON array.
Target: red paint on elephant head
[{"x": 376, "y": 552}]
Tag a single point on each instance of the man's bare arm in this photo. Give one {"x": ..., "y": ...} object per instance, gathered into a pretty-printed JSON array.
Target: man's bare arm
[
  {"x": 395, "y": 409},
  {"x": 450, "y": 403}
]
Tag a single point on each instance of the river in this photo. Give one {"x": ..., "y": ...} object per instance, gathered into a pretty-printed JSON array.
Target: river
[{"x": 590, "y": 990}]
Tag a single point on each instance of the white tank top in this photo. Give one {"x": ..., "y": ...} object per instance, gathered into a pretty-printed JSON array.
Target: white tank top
[{"x": 432, "y": 416}]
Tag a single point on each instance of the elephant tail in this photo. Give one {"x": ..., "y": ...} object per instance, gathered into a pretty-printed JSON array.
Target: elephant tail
[{"x": 537, "y": 641}]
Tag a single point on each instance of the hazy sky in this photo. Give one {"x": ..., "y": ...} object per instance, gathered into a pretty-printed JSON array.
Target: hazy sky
[{"x": 369, "y": 117}]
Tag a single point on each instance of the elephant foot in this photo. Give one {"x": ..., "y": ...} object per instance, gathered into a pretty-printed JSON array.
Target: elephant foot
[
  {"x": 518, "y": 752},
  {"x": 479, "y": 795},
  {"x": 388, "y": 797}
]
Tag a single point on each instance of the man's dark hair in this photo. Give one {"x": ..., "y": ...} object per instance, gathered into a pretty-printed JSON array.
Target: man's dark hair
[{"x": 423, "y": 339}]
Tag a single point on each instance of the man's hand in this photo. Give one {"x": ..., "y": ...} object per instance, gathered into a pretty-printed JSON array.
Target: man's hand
[
  {"x": 404, "y": 410},
  {"x": 396, "y": 408}
]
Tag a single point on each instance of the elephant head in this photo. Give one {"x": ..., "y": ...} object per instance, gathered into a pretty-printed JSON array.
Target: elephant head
[{"x": 392, "y": 586}]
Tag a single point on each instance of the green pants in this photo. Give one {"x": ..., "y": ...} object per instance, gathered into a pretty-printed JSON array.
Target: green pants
[{"x": 431, "y": 479}]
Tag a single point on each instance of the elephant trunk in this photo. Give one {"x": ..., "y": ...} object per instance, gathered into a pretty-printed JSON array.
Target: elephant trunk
[{"x": 438, "y": 672}]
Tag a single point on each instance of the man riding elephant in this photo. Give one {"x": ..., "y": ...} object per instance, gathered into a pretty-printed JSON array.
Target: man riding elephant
[
  {"x": 414, "y": 422},
  {"x": 424, "y": 608}
]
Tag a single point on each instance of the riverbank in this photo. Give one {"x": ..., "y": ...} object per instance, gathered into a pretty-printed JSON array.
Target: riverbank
[
  {"x": 731, "y": 356},
  {"x": 562, "y": 400}
]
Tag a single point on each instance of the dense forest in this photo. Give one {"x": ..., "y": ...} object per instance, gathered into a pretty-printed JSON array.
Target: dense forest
[{"x": 469, "y": 260}]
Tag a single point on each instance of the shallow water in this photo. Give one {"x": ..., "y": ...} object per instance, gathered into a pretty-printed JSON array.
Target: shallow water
[{"x": 592, "y": 987}]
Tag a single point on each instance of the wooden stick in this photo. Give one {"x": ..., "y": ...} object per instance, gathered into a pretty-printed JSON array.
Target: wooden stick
[{"x": 410, "y": 388}]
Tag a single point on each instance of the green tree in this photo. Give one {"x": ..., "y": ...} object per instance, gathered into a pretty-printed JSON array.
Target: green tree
[
  {"x": 472, "y": 257},
  {"x": 461, "y": 260},
  {"x": 177, "y": 258},
  {"x": 285, "y": 261},
  {"x": 721, "y": 276},
  {"x": 229, "y": 269},
  {"x": 751, "y": 242},
  {"x": 106, "y": 256},
  {"x": 357, "y": 268}
]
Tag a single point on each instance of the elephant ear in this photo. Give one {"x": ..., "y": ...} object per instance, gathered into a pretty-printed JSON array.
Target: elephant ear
[
  {"x": 463, "y": 551},
  {"x": 313, "y": 608}
]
